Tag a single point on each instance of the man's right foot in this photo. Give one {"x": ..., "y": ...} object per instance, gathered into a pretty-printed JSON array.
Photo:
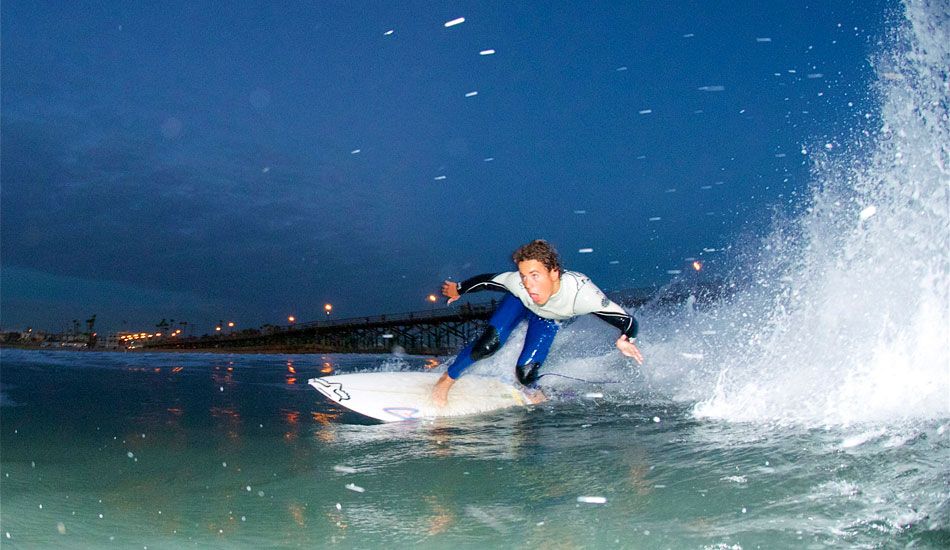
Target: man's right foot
[
  {"x": 440, "y": 397},
  {"x": 440, "y": 393}
]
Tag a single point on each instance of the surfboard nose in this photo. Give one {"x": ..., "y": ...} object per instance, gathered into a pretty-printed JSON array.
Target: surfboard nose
[{"x": 332, "y": 390}]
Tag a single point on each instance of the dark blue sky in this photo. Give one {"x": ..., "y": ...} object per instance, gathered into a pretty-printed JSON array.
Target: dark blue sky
[{"x": 251, "y": 160}]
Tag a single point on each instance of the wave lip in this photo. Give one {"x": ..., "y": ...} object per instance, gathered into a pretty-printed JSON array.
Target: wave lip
[{"x": 845, "y": 313}]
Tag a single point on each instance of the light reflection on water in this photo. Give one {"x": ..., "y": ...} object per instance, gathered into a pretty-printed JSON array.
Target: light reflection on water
[{"x": 170, "y": 460}]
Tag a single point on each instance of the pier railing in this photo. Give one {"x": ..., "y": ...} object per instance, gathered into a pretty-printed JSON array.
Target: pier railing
[{"x": 436, "y": 331}]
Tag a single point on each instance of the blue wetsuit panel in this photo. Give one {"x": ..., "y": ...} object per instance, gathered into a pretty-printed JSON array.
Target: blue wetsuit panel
[{"x": 538, "y": 340}]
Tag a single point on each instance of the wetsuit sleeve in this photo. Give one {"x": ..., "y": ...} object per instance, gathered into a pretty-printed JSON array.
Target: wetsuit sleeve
[
  {"x": 591, "y": 299},
  {"x": 624, "y": 321},
  {"x": 481, "y": 282}
]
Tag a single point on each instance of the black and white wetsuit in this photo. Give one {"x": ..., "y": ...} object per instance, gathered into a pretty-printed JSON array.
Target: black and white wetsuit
[{"x": 577, "y": 295}]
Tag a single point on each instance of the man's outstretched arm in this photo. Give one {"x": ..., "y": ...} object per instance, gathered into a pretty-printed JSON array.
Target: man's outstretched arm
[
  {"x": 628, "y": 328},
  {"x": 479, "y": 282},
  {"x": 591, "y": 299}
]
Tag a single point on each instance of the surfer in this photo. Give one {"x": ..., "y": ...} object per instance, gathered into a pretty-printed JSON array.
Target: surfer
[{"x": 544, "y": 294}]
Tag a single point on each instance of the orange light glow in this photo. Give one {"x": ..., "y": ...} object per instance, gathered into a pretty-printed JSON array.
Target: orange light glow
[
  {"x": 231, "y": 324},
  {"x": 292, "y": 417},
  {"x": 328, "y": 307},
  {"x": 217, "y": 329},
  {"x": 432, "y": 298},
  {"x": 291, "y": 319},
  {"x": 697, "y": 266}
]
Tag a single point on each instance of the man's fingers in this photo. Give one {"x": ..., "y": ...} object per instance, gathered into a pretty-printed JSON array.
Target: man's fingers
[{"x": 629, "y": 349}]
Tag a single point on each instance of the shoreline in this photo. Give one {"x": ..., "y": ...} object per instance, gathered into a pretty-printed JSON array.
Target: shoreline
[{"x": 261, "y": 350}]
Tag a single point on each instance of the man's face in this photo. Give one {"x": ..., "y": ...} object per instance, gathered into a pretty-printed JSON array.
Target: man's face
[{"x": 540, "y": 282}]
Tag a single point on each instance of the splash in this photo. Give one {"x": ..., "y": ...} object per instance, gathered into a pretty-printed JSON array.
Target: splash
[{"x": 843, "y": 317}]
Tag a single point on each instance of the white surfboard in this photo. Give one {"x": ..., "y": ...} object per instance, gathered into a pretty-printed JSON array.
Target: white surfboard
[{"x": 396, "y": 396}]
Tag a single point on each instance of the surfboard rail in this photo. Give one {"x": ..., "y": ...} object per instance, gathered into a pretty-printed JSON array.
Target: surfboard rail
[{"x": 400, "y": 396}]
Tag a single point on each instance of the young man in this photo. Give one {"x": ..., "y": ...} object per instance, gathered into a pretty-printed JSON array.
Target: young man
[{"x": 543, "y": 294}]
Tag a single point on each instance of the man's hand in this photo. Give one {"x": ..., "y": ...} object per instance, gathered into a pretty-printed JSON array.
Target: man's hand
[
  {"x": 628, "y": 348},
  {"x": 451, "y": 290}
]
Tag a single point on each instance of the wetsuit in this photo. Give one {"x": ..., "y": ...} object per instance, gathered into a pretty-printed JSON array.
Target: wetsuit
[{"x": 577, "y": 295}]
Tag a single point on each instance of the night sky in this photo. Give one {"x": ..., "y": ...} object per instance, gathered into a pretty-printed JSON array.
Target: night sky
[{"x": 246, "y": 161}]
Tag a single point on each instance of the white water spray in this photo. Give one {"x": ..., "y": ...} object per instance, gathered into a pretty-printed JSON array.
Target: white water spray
[{"x": 846, "y": 314}]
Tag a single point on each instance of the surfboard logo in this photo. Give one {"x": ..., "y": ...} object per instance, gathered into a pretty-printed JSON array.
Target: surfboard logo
[
  {"x": 405, "y": 413},
  {"x": 333, "y": 390}
]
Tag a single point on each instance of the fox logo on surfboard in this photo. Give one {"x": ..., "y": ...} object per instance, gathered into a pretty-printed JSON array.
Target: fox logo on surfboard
[{"x": 333, "y": 390}]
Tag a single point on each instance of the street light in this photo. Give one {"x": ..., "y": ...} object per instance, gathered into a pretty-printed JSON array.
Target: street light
[
  {"x": 328, "y": 308},
  {"x": 432, "y": 299},
  {"x": 231, "y": 327},
  {"x": 291, "y": 319}
]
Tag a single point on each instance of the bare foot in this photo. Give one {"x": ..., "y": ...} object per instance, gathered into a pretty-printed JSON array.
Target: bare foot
[
  {"x": 535, "y": 395},
  {"x": 440, "y": 393}
]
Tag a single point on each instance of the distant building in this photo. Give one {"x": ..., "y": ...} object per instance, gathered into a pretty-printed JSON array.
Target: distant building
[
  {"x": 27, "y": 337},
  {"x": 110, "y": 342}
]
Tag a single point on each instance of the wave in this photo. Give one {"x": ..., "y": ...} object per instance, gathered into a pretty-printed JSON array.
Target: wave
[{"x": 844, "y": 313}]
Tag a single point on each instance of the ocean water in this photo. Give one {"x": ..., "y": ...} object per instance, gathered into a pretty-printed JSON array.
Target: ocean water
[
  {"x": 810, "y": 408},
  {"x": 116, "y": 450}
]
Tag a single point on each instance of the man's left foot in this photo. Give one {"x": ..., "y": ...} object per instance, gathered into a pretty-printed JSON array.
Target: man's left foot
[{"x": 535, "y": 395}]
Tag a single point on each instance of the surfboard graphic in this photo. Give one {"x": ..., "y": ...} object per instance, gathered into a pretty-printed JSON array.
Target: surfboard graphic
[{"x": 398, "y": 396}]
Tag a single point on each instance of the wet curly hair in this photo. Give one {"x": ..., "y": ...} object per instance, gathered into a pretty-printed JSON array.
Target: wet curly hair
[{"x": 541, "y": 251}]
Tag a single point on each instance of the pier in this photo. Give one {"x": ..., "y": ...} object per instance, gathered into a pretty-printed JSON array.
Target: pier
[
  {"x": 438, "y": 331},
  {"x": 430, "y": 332}
]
